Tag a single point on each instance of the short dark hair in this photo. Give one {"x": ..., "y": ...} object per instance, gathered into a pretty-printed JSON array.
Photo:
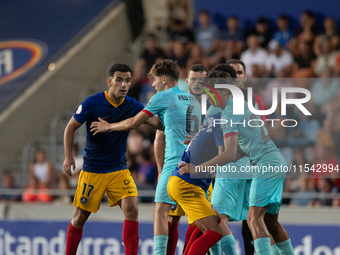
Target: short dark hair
[
  {"x": 283, "y": 17},
  {"x": 151, "y": 36},
  {"x": 197, "y": 68},
  {"x": 218, "y": 74},
  {"x": 224, "y": 68},
  {"x": 233, "y": 17},
  {"x": 206, "y": 12},
  {"x": 166, "y": 67},
  {"x": 236, "y": 61},
  {"x": 309, "y": 13},
  {"x": 119, "y": 68},
  {"x": 262, "y": 20}
]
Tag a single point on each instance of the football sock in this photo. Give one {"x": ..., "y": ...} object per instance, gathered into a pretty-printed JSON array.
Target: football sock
[
  {"x": 188, "y": 234},
  {"x": 285, "y": 247},
  {"x": 173, "y": 238},
  {"x": 195, "y": 234},
  {"x": 160, "y": 244},
  {"x": 275, "y": 250},
  {"x": 203, "y": 243},
  {"x": 130, "y": 237},
  {"x": 228, "y": 245},
  {"x": 216, "y": 249},
  {"x": 262, "y": 246},
  {"x": 73, "y": 238}
]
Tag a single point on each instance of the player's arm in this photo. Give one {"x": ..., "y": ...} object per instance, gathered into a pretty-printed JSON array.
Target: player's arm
[
  {"x": 159, "y": 150},
  {"x": 220, "y": 149},
  {"x": 227, "y": 156},
  {"x": 155, "y": 122},
  {"x": 103, "y": 126},
  {"x": 70, "y": 129}
]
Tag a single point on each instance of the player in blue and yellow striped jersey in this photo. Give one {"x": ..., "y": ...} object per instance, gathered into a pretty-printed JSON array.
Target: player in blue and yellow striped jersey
[
  {"x": 180, "y": 115},
  {"x": 104, "y": 168}
]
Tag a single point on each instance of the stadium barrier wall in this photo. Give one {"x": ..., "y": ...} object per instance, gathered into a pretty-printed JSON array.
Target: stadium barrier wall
[{"x": 41, "y": 230}]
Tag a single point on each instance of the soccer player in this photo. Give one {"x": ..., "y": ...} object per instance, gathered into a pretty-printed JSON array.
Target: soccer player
[
  {"x": 195, "y": 72},
  {"x": 104, "y": 168},
  {"x": 230, "y": 195},
  {"x": 266, "y": 188},
  {"x": 190, "y": 193},
  {"x": 180, "y": 114},
  {"x": 240, "y": 68}
]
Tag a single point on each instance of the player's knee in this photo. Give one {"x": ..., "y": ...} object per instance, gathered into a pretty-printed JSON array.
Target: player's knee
[
  {"x": 79, "y": 220},
  {"x": 251, "y": 221},
  {"x": 131, "y": 212},
  {"x": 160, "y": 210}
]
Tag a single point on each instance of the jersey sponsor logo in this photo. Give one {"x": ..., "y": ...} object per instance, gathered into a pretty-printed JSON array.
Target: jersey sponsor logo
[
  {"x": 80, "y": 108},
  {"x": 17, "y": 57},
  {"x": 131, "y": 191},
  {"x": 126, "y": 181},
  {"x": 83, "y": 200},
  {"x": 129, "y": 187}
]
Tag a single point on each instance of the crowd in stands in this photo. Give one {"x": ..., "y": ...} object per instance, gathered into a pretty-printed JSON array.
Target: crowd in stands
[{"x": 307, "y": 56}]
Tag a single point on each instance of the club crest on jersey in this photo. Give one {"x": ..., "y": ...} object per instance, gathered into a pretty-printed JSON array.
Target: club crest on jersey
[
  {"x": 173, "y": 207},
  {"x": 83, "y": 200},
  {"x": 126, "y": 182}
]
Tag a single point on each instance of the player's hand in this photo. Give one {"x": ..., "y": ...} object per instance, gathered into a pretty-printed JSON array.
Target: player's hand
[
  {"x": 185, "y": 168},
  {"x": 100, "y": 126},
  {"x": 187, "y": 141},
  {"x": 68, "y": 163}
]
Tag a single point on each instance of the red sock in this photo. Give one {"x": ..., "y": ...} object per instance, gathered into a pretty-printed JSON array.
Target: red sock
[
  {"x": 188, "y": 234},
  {"x": 173, "y": 238},
  {"x": 130, "y": 237},
  {"x": 195, "y": 234},
  {"x": 201, "y": 245},
  {"x": 73, "y": 237}
]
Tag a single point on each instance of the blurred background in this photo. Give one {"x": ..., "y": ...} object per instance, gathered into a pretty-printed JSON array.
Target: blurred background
[{"x": 53, "y": 54}]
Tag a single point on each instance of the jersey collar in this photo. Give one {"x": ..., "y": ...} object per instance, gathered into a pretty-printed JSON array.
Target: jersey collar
[{"x": 111, "y": 102}]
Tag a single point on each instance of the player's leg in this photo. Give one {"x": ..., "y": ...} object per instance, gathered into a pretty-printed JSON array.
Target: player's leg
[
  {"x": 89, "y": 193},
  {"x": 280, "y": 235},
  {"x": 188, "y": 235},
  {"x": 75, "y": 230},
  {"x": 228, "y": 198},
  {"x": 259, "y": 230},
  {"x": 247, "y": 239},
  {"x": 161, "y": 212},
  {"x": 227, "y": 242},
  {"x": 173, "y": 222},
  {"x": 211, "y": 235},
  {"x": 130, "y": 234},
  {"x": 121, "y": 190},
  {"x": 160, "y": 219}
]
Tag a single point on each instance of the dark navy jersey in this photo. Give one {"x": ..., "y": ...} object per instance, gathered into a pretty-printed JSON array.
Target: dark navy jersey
[
  {"x": 105, "y": 152},
  {"x": 203, "y": 147}
]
